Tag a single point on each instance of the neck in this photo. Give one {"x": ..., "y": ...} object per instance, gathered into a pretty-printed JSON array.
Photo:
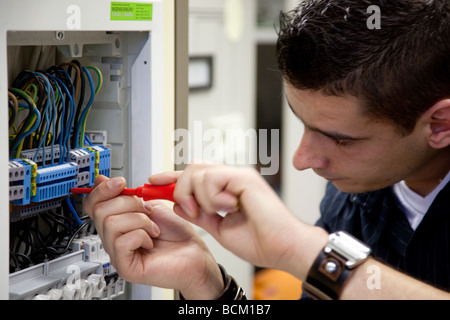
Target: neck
[{"x": 428, "y": 178}]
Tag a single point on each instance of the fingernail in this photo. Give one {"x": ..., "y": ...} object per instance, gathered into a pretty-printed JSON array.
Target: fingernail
[
  {"x": 189, "y": 212},
  {"x": 156, "y": 229},
  {"x": 148, "y": 207},
  {"x": 115, "y": 183}
]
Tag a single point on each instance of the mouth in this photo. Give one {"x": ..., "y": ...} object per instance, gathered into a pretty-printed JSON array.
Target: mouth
[
  {"x": 333, "y": 179},
  {"x": 328, "y": 177}
]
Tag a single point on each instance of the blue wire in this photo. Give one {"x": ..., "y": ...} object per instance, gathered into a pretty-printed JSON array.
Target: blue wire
[
  {"x": 53, "y": 119},
  {"x": 71, "y": 114},
  {"x": 86, "y": 109},
  {"x": 48, "y": 112},
  {"x": 63, "y": 104},
  {"x": 72, "y": 107},
  {"x": 87, "y": 140},
  {"x": 73, "y": 211}
]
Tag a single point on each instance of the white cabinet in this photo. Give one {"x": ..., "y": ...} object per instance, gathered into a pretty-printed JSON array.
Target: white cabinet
[{"x": 133, "y": 45}]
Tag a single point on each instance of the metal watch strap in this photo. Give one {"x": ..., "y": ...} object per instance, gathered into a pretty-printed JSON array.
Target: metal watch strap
[{"x": 326, "y": 276}]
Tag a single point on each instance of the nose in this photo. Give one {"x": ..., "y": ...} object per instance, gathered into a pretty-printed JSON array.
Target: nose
[{"x": 310, "y": 154}]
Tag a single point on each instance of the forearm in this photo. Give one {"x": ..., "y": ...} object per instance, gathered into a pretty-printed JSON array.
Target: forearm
[
  {"x": 375, "y": 281},
  {"x": 372, "y": 280}
]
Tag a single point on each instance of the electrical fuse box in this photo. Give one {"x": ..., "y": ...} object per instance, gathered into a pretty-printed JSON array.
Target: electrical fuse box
[{"x": 85, "y": 97}]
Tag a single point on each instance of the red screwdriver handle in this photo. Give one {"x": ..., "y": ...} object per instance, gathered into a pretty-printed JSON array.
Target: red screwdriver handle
[
  {"x": 152, "y": 192},
  {"x": 147, "y": 192}
]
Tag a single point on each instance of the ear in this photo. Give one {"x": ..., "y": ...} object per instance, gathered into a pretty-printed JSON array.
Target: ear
[{"x": 439, "y": 124}]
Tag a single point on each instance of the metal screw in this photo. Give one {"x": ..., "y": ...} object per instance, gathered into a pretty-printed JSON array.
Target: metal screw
[{"x": 59, "y": 35}]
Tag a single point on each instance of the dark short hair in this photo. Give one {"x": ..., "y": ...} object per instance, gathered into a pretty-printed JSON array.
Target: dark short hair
[{"x": 397, "y": 71}]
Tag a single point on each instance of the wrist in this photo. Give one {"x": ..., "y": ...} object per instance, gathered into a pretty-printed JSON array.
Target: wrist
[
  {"x": 231, "y": 292},
  {"x": 334, "y": 265},
  {"x": 209, "y": 288},
  {"x": 309, "y": 242}
]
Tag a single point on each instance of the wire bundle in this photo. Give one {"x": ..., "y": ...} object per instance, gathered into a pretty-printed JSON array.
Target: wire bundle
[
  {"x": 57, "y": 109},
  {"x": 49, "y": 108},
  {"x": 45, "y": 236}
]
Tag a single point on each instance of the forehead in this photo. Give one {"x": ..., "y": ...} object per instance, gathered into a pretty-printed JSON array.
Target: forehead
[
  {"x": 339, "y": 116},
  {"x": 304, "y": 101}
]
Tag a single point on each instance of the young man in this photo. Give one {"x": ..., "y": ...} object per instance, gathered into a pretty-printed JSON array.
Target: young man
[{"x": 376, "y": 108}]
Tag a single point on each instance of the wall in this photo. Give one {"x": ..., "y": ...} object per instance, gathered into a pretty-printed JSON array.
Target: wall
[
  {"x": 231, "y": 103},
  {"x": 223, "y": 30},
  {"x": 302, "y": 191}
]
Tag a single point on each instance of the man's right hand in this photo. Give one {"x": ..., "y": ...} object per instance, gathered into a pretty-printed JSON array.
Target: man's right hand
[{"x": 149, "y": 244}]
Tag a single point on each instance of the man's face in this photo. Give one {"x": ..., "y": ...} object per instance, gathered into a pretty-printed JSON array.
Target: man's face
[{"x": 343, "y": 145}]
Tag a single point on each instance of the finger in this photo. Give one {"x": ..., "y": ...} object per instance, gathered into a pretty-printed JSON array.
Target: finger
[
  {"x": 210, "y": 223},
  {"x": 100, "y": 179},
  {"x": 184, "y": 192},
  {"x": 105, "y": 190},
  {"x": 215, "y": 194},
  {"x": 116, "y": 225},
  {"x": 174, "y": 228},
  {"x": 116, "y": 206},
  {"x": 128, "y": 251},
  {"x": 165, "y": 178},
  {"x": 208, "y": 183}
]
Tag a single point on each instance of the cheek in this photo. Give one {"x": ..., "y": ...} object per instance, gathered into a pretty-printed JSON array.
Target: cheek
[
  {"x": 385, "y": 164},
  {"x": 362, "y": 160}
]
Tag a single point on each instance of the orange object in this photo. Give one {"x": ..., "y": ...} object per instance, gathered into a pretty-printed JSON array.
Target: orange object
[{"x": 271, "y": 284}]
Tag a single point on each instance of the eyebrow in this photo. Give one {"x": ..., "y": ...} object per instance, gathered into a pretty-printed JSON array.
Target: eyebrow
[{"x": 329, "y": 134}]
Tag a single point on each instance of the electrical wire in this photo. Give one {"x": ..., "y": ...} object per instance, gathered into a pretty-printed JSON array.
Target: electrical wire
[
  {"x": 79, "y": 135},
  {"x": 32, "y": 122},
  {"x": 97, "y": 89},
  {"x": 68, "y": 104},
  {"x": 13, "y": 105},
  {"x": 73, "y": 211},
  {"x": 49, "y": 113},
  {"x": 42, "y": 237},
  {"x": 87, "y": 140},
  {"x": 100, "y": 78},
  {"x": 60, "y": 105},
  {"x": 49, "y": 108}
]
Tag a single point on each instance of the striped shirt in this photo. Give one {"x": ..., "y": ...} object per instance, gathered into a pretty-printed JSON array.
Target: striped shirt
[{"x": 377, "y": 219}]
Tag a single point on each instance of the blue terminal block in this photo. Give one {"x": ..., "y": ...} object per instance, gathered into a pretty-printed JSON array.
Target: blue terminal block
[
  {"x": 103, "y": 162},
  {"x": 55, "y": 181},
  {"x": 56, "y": 172},
  {"x": 54, "y": 190}
]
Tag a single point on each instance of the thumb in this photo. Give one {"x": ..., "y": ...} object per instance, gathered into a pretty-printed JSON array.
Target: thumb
[{"x": 165, "y": 178}]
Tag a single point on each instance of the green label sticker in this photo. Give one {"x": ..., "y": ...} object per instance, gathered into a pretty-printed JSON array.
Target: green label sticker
[{"x": 131, "y": 11}]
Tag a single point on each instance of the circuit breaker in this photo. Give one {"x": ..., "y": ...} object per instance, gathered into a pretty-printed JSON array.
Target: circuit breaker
[{"x": 83, "y": 87}]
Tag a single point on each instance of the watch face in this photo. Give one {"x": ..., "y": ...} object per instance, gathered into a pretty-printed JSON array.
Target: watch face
[{"x": 349, "y": 247}]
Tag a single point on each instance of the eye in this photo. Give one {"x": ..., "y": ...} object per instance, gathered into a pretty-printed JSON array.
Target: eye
[{"x": 342, "y": 142}]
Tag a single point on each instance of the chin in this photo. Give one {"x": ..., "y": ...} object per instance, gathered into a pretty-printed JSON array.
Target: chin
[{"x": 354, "y": 187}]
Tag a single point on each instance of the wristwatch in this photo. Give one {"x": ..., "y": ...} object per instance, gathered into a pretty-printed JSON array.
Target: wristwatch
[{"x": 342, "y": 254}]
